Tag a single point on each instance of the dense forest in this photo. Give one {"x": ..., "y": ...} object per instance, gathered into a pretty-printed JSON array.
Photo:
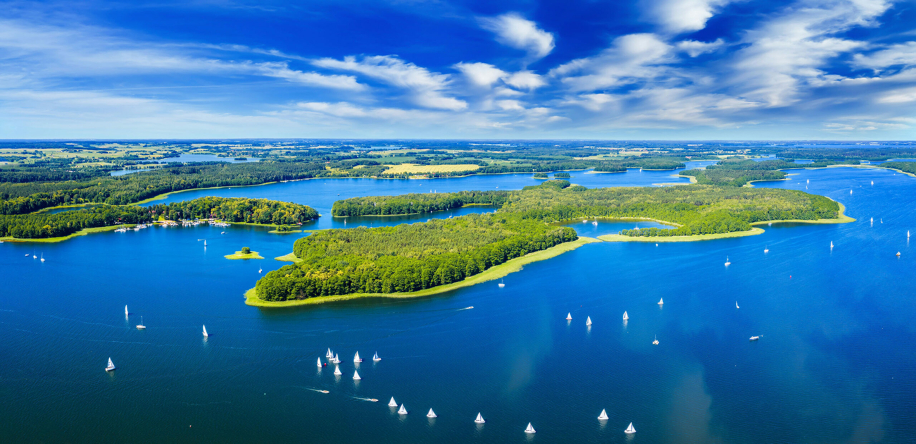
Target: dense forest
[
  {"x": 907, "y": 167},
  {"x": 738, "y": 172},
  {"x": 423, "y": 255},
  {"x": 261, "y": 211},
  {"x": 406, "y": 257},
  {"x": 257, "y": 211}
]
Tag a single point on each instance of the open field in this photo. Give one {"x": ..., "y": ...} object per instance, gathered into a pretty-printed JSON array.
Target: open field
[{"x": 409, "y": 168}]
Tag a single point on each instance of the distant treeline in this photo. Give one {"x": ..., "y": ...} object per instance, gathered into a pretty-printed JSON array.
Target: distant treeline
[
  {"x": 406, "y": 257},
  {"x": 258, "y": 211},
  {"x": 738, "y": 172},
  {"x": 908, "y": 167},
  {"x": 415, "y": 203},
  {"x": 44, "y": 225}
]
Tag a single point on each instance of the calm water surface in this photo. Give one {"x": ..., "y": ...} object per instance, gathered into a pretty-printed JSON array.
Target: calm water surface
[{"x": 835, "y": 361}]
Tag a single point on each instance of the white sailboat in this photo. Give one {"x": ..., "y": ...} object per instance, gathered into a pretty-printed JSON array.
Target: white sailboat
[
  {"x": 337, "y": 371},
  {"x": 431, "y": 414},
  {"x": 42, "y": 257},
  {"x": 898, "y": 254},
  {"x": 569, "y": 316},
  {"x": 529, "y": 429},
  {"x": 625, "y": 317},
  {"x": 595, "y": 223},
  {"x": 831, "y": 244},
  {"x": 392, "y": 403},
  {"x": 727, "y": 262},
  {"x": 34, "y": 257},
  {"x": 479, "y": 419},
  {"x": 603, "y": 415},
  {"x": 736, "y": 304},
  {"x": 329, "y": 355},
  {"x": 125, "y": 311},
  {"x": 873, "y": 183},
  {"x": 260, "y": 270},
  {"x": 111, "y": 366},
  {"x": 376, "y": 358},
  {"x": 356, "y": 375},
  {"x": 140, "y": 326},
  {"x": 754, "y": 338},
  {"x": 402, "y": 410},
  {"x": 655, "y": 342},
  {"x": 766, "y": 250},
  {"x": 850, "y": 191},
  {"x": 319, "y": 362},
  {"x": 357, "y": 358},
  {"x": 630, "y": 430},
  {"x": 336, "y": 358},
  {"x": 661, "y": 301},
  {"x": 501, "y": 284},
  {"x": 588, "y": 321},
  {"x": 206, "y": 335}
]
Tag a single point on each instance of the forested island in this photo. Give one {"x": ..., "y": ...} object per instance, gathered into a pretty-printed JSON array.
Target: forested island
[{"x": 408, "y": 258}]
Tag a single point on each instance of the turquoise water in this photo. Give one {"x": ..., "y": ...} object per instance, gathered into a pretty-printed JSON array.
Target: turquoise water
[{"x": 835, "y": 360}]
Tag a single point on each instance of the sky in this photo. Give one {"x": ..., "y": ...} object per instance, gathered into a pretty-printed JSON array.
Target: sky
[{"x": 564, "y": 69}]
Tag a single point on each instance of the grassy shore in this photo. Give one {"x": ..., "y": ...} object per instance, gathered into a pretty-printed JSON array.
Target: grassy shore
[
  {"x": 82, "y": 232},
  {"x": 288, "y": 258},
  {"x": 490, "y": 274},
  {"x": 240, "y": 255}
]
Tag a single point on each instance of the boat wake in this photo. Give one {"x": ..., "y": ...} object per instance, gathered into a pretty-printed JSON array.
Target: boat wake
[
  {"x": 365, "y": 399},
  {"x": 316, "y": 390}
]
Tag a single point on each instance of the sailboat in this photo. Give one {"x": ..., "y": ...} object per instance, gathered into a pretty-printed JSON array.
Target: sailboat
[
  {"x": 206, "y": 335},
  {"x": 140, "y": 326},
  {"x": 630, "y": 430},
  {"x": 337, "y": 371},
  {"x": 603, "y": 415},
  {"x": 356, "y": 358},
  {"x": 568, "y": 316},
  {"x": 736, "y": 304},
  {"x": 588, "y": 321},
  {"x": 205, "y": 242},
  {"x": 42, "y": 257},
  {"x": 529, "y": 429},
  {"x": 595, "y": 223},
  {"x": 479, "y": 419},
  {"x": 329, "y": 355},
  {"x": 260, "y": 270},
  {"x": 319, "y": 362},
  {"x": 392, "y": 403},
  {"x": 727, "y": 262},
  {"x": 661, "y": 301},
  {"x": 873, "y": 183},
  {"x": 431, "y": 414},
  {"x": 125, "y": 311},
  {"x": 336, "y": 358},
  {"x": 501, "y": 284},
  {"x": 356, "y": 375},
  {"x": 655, "y": 342},
  {"x": 625, "y": 317},
  {"x": 376, "y": 358},
  {"x": 110, "y": 366},
  {"x": 850, "y": 191},
  {"x": 898, "y": 254},
  {"x": 402, "y": 410},
  {"x": 34, "y": 257},
  {"x": 766, "y": 250},
  {"x": 754, "y": 338},
  {"x": 831, "y": 244}
]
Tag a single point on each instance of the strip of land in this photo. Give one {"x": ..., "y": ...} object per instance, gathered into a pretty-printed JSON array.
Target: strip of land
[
  {"x": 82, "y": 232},
  {"x": 495, "y": 272},
  {"x": 240, "y": 255}
]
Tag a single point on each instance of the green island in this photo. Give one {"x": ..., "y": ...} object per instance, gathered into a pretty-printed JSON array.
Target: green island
[
  {"x": 428, "y": 258},
  {"x": 244, "y": 253}
]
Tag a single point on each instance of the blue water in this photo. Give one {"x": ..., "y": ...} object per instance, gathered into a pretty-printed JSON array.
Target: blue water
[
  {"x": 184, "y": 157},
  {"x": 835, "y": 361}
]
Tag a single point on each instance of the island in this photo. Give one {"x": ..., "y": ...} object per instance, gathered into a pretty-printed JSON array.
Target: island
[
  {"x": 530, "y": 224},
  {"x": 244, "y": 253}
]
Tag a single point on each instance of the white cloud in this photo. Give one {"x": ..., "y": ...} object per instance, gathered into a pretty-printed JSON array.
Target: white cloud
[
  {"x": 695, "y": 48},
  {"x": 678, "y": 16},
  {"x": 903, "y": 95},
  {"x": 341, "y": 109},
  {"x": 903, "y": 54},
  {"x": 481, "y": 74},
  {"x": 517, "y": 32},
  {"x": 525, "y": 80},
  {"x": 510, "y": 105},
  {"x": 630, "y": 58},
  {"x": 426, "y": 89}
]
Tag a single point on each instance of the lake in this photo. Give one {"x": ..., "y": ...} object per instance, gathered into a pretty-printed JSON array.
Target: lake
[
  {"x": 834, "y": 362},
  {"x": 186, "y": 157}
]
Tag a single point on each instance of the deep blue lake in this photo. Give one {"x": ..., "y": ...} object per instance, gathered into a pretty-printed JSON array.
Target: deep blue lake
[{"x": 836, "y": 359}]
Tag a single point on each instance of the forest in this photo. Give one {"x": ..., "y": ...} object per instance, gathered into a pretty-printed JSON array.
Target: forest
[
  {"x": 906, "y": 167},
  {"x": 407, "y": 257},
  {"x": 239, "y": 209},
  {"x": 738, "y": 172},
  {"x": 423, "y": 255}
]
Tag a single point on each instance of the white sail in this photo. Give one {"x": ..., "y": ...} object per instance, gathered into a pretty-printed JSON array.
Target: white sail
[
  {"x": 111, "y": 366},
  {"x": 319, "y": 362},
  {"x": 588, "y": 320},
  {"x": 402, "y": 410},
  {"x": 431, "y": 414},
  {"x": 630, "y": 429},
  {"x": 479, "y": 419},
  {"x": 736, "y": 304},
  {"x": 337, "y": 370},
  {"x": 329, "y": 355},
  {"x": 140, "y": 326},
  {"x": 529, "y": 429},
  {"x": 727, "y": 262},
  {"x": 356, "y": 375},
  {"x": 661, "y": 301},
  {"x": 603, "y": 415},
  {"x": 568, "y": 316},
  {"x": 392, "y": 403},
  {"x": 376, "y": 358},
  {"x": 625, "y": 317},
  {"x": 356, "y": 358},
  {"x": 125, "y": 311},
  {"x": 336, "y": 358},
  {"x": 205, "y": 332}
]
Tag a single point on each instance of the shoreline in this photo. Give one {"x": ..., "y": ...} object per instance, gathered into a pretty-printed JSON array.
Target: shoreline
[
  {"x": 82, "y": 232},
  {"x": 238, "y": 255},
  {"x": 490, "y": 274}
]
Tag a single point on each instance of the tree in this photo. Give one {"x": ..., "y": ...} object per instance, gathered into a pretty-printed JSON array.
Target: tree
[{"x": 246, "y": 250}]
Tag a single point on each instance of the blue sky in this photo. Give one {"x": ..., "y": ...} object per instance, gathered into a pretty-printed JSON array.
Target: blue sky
[{"x": 643, "y": 69}]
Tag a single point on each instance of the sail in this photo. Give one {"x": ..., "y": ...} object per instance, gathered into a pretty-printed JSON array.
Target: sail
[
  {"x": 603, "y": 415},
  {"x": 431, "y": 414},
  {"x": 479, "y": 419},
  {"x": 736, "y": 304},
  {"x": 356, "y": 375},
  {"x": 376, "y": 358},
  {"x": 337, "y": 371},
  {"x": 402, "y": 410},
  {"x": 625, "y": 317},
  {"x": 568, "y": 316},
  {"x": 205, "y": 331},
  {"x": 329, "y": 355},
  {"x": 392, "y": 403},
  {"x": 529, "y": 429},
  {"x": 588, "y": 320},
  {"x": 125, "y": 311},
  {"x": 356, "y": 358},
  {"x": 110, "y": 364},
  {"x": 630, "y": 429},
  {"x": 319, "y": 362},
  {"x": 661, "y": 301}
]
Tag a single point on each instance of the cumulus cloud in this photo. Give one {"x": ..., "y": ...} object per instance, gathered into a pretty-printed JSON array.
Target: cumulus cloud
[
  {"x": 517, "y": 32},
  {"x": 481, "y": 74},
  {"x": 694, "y": 48},
  {"x": 903, "y": 55},
  {"x": 425, "y": 88},
  {"x": 679, "y": 16},
  {"x": 630, "y": 58}
]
